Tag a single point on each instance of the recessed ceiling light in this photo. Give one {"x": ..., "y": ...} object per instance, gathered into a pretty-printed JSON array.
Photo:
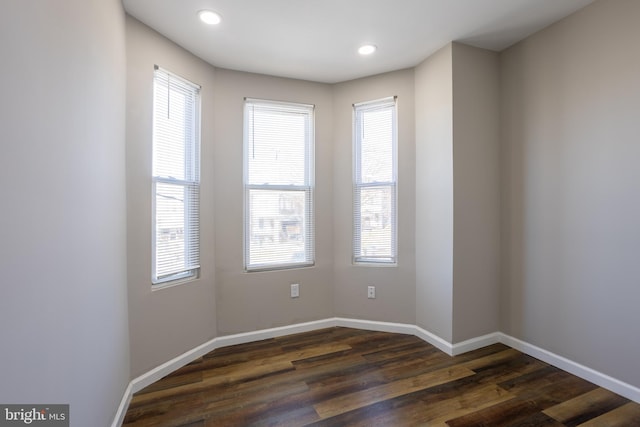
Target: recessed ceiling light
[
  {"x": 209, "y": 17},
  {"x": 367, "y": 49}
]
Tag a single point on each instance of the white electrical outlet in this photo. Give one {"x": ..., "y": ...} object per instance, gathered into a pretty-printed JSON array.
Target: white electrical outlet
[
  {"x": 371, "y": 292},
  {"x": 295, "y": 290}
]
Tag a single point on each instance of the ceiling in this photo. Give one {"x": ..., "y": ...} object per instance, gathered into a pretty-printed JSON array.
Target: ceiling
[{"x": 317, "y": 40}]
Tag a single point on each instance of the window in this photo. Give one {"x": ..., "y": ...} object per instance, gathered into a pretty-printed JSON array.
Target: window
[
  {"x": 176, "y": 178},
  {"x": 278, "y": 185},
  {"x": 375, "y": 182}
]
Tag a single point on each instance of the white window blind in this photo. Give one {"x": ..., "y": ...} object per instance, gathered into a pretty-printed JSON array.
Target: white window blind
[
  {"x": 278, "y": 182},
  {"x": 375, "y": 182},
  {"x": 176, "y": 178}
]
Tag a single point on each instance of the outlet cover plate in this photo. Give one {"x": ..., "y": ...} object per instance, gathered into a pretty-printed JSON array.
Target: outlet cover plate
[{"x": 371, "y": 292}]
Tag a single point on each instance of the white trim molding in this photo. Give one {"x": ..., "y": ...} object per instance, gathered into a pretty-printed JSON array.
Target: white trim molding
[
  {"x": 598, "y": 378},
  {"x": 475, "y": 343},
  {"x": 122, "y": 409},
  {"x": 263, "y": 334},
  {"x": 177, "y": 362},
  {"x": 584, "y": 372},
  {"x": 433, "y": 339}
]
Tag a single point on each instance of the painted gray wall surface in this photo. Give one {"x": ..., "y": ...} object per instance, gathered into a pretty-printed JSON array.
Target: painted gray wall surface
[
  {"x": 434, "y": 193},
  {"x": 167, "y": 322},
  {"x": 395, "y": 286},
  {"x": 457, "y": 193},
  {"x": 476, "y": 192},
  {"x": 570, "y": 102},
  {"x": 164, "y": 323},
  {"x": 260, "y": 300},
  {"x": 63, "y": 303},
  {"x": 571, "y": 129}
]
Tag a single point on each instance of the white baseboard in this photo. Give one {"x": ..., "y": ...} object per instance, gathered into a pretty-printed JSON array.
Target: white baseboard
[
  {"x": 177, "y": 362},
  {"x": 433, "y": 339},
  {"x": 166, "y": 368},
  {"x": 475, "y": 343},
  {"x": 122, "y": 409},
  {"x": 398, "y": 328},
  {"x": 584, "y": 372},
  {"x": 264, "y": 334},
  {"x": 144, "y": 380},
  {"x": 374, "y": 325}
]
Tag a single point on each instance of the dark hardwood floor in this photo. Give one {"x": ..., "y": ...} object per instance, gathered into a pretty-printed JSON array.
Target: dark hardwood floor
[{"x": 349, "y": 377}]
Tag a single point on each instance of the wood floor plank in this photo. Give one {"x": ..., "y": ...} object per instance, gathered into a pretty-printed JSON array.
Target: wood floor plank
[
  {"x": 282, "y": 356},
  {"x": 324, "y": 380},
  {"x": 276, "y": 358},
  {"x": 585, "y": 407},
  {"x": 172, "y": 409},
  {"x": 256, "y": 398},
  {"x": 199, "y": 423},
  {"x": 510, "y": 412},
  {"x": 466, "y": 402},
  {"x": 295, "y": 417},
  {"x": 623, "y": 416},
  {"x": 399, "y": 368},
  {"x": 550, "y": 395},
  {"x": 508, "y": 369},
  {"x": 320, "y": 336},
  {"x": 211, "y": 382},
  {"x": 405, "y": 367},
  {"x": 411, "y": 349},
  {"x": 343, "y": 383},
  {"x": 480, "y": 352},
  {"x": 376, "y": 394},
  {"x": 172, "y": 381},
  {"x": 528, "y": 419},
  {"x": 374, "y": 341},
  {"x": 547, "y": 375},
  {"x": 463, "y": 404},
  {"x": 352, "y": 377},
  {"x": 431, "y": 406},
  {"x": 311, "y": 370},
  {"x": 242, "y": 352},
  {"x": 491, "y": 359}
]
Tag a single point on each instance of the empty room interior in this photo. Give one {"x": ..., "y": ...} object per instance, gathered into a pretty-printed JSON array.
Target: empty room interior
[{"x": 508, "y": 214}]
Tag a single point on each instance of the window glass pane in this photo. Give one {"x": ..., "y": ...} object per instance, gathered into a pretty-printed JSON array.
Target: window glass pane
[
  {"x": 277, "y": 223},
  {"x": 174, "y": 122},
  {"x": 170, "y": 227},
  {"x": 176, "y": 176},
  {"x": 278, "y": 185},
  {"x": 376, "y": 221},
  {"x": 377, "y": 146},
  {"x": 375, "y": 199},
  {"x": 276, "y": 148}
]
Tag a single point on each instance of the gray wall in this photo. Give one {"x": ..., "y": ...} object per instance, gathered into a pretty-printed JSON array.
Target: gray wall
[
  {"x": 565, "y": 173},
  {"x": 476, "y": 192},
  {"x": 457, "y": 193},
  {"x": 395, "y": 286},
  {"x": 164, "y": 323},
  {"x": 259, "y": 300},
  {"x": 251, "y": 301},
  {"x": 434, "y": 193},
  {"x": 571, "y": 237},
  {"x": 167, "y": 322},
  {"x": 63, "y": 303}
]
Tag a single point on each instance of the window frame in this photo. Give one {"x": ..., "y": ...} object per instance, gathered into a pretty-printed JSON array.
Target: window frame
[
  {"x": 190, "y": 184},
  {"x": 308, "y": 188},
  {"x": 358, "y": 184}
]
